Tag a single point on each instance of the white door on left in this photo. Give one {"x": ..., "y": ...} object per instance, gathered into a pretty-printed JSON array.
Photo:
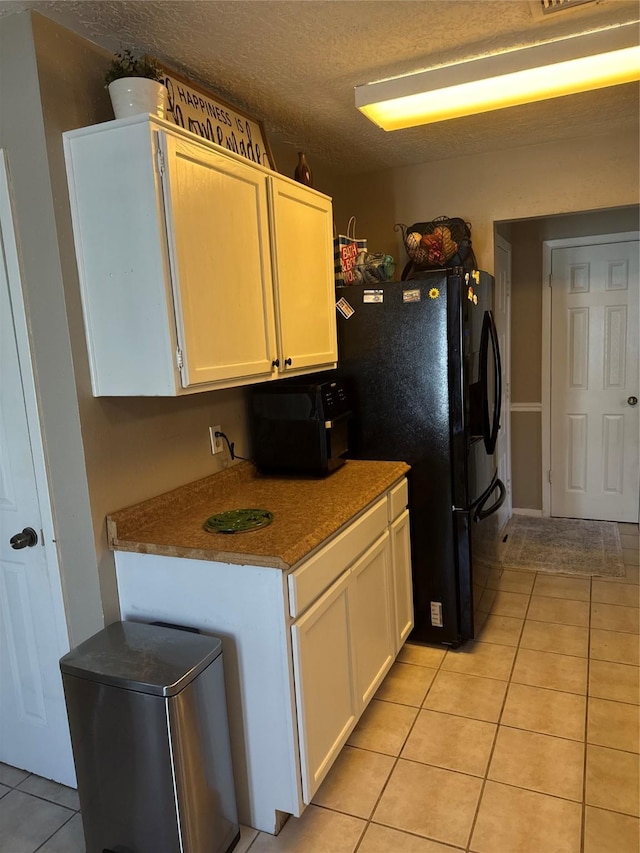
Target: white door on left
[{"x": 34, "y": 733}]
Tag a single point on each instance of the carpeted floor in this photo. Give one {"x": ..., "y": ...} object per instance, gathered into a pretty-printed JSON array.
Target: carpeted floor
[{"x": 563, "y": 546}]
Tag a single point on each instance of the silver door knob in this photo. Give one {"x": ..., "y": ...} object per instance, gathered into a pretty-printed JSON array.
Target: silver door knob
[{"x": 632, "y": 401}]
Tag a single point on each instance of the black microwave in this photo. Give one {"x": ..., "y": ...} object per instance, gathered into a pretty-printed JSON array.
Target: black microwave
[{"x": 300, "y": 427}]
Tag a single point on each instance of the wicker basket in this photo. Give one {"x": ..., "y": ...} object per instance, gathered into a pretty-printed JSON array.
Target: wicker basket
[{"x": 440, "y": 243}]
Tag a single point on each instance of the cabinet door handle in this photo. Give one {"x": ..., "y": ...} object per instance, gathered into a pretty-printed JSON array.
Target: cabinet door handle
[
  {"x": 275, "y": 362},
  {"x": 287, "y": 361}
]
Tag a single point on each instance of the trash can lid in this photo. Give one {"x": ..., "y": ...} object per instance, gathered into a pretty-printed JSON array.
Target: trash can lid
[{"x": 141, "y": 657}]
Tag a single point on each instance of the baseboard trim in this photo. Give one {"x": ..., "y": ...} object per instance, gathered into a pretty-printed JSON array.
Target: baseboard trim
[
  {"x": 535, "y": 513},
  {"x": 525, "y": 407}
]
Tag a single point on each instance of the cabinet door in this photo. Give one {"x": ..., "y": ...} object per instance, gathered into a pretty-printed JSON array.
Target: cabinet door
[
  {"x": 324, "y": 680},
  {"x": 217, "y": 222},
  {"x": 302, "y": 235},
  {"x": 371, "y": 618},
  {"x": 402, "y": 584}
]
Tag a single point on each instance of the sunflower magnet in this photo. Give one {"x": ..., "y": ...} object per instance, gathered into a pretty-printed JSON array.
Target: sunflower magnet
[{"x": 434, "y": 293}]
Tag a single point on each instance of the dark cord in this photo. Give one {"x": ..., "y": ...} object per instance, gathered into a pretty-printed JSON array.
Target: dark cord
[{"x": 231, "y": 445}]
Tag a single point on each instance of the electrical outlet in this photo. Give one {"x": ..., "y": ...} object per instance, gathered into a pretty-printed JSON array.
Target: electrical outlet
[{"x": 217, "y": 444}]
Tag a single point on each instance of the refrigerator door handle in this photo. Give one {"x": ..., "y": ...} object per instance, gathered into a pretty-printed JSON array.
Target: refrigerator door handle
[
  {"x": 490, "y": 423},
  {"x": 480, "y": 513},
  {"x": 497, "y": 409}
]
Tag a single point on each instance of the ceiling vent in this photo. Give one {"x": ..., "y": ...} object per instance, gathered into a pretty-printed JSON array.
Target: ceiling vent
[{"x": 549, "y": 6}]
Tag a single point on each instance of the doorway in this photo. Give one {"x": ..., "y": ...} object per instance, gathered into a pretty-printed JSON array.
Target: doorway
[{"x": 530, "y": 340}]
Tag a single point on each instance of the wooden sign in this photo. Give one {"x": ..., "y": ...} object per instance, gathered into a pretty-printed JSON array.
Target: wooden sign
[{"x": 209, "y": 116}]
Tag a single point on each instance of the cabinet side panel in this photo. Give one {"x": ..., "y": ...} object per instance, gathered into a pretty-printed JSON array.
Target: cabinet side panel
[
  {"x": 245, "y": 607},
  {"x": 122, "y": 261}
]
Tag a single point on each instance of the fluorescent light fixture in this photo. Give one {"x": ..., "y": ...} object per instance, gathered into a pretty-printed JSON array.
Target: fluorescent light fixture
[{"x": 520, "y": 76}]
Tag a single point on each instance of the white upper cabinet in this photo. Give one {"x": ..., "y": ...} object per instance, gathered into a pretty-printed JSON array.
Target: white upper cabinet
[
  {"x": 302, "y": 225},
  {"x": 198, "y": 269},
  {"x": 218, "y": 235}
]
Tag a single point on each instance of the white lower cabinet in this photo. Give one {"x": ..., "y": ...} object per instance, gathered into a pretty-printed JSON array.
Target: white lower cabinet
[
  {"x": 371, "y": 619},
  {"x": 342, "y": 649},
  {"x": 304, "y": 651},
  {"x": 324, "y": 683},
  {"x": 402, "y": 583}
]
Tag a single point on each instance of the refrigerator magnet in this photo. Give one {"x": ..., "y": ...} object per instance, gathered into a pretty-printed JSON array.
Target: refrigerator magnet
[
  {"x": 344, "y": 308},
  {"x": 411, "y": 295},
  {"x": 373, "y": 296},
  {"x": 434, "y": 293}
]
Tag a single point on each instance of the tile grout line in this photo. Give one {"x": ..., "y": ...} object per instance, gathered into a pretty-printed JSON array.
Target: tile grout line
[
  {"x": 439, "y": 668},
  {"x": 397, "y": 757},
  {"x": 583, "y": 821},
  {"x": 47, "y": 800},
  {"x": 53, "y": 834},
  {"x": 498, "y": 723}
]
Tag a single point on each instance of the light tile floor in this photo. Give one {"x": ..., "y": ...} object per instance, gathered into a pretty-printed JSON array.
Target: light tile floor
[{"x": 524, "y": 741}]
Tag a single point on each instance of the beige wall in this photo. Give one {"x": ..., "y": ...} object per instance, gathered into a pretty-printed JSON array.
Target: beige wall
[
  {"x": 544, "y": 186},
  {"x": 535, "y": 181},
  {"x": 527, "y": 238},
  {"x": 134, "y": 448},
  {"x": 526, "y": 446},
  {"x": 103, "y": 454},
  {"x": 325, "y": 180},
  {"x": 22, "y": 136}
]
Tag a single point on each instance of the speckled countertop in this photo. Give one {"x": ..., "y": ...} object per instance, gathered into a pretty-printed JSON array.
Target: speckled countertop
[{"x": 305, "y": 513}]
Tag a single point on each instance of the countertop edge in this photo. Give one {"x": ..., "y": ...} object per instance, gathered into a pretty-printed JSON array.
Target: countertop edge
[{"x": 285, "y": 557}]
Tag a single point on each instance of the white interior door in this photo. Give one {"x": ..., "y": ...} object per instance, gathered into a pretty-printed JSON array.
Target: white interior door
[
  {"x": 594, "y": 381},
  {"x": 502, "y": 316},
  {"x": 34, "y": 733}
]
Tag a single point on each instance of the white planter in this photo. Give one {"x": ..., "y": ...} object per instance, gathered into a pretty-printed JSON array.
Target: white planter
[{"x": 134, "y": 95}]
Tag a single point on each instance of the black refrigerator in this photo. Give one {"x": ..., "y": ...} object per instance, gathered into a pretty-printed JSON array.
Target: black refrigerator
[{"x": 423, "y": 363}]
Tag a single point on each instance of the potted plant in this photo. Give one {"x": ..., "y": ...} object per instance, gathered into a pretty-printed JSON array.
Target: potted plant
[{"x": 135, "y": 85}]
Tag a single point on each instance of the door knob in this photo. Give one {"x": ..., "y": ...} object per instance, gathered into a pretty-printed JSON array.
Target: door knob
[
  {"x": 632, "y": 401},
  {"x": 27, "y": 539}
]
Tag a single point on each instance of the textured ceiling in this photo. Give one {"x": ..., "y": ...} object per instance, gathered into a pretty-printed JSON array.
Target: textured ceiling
[{"x": 295, "y": 65}]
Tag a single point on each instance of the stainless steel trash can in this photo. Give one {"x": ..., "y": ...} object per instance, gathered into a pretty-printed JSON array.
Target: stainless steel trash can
[{"x": 148, "y": 721}]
